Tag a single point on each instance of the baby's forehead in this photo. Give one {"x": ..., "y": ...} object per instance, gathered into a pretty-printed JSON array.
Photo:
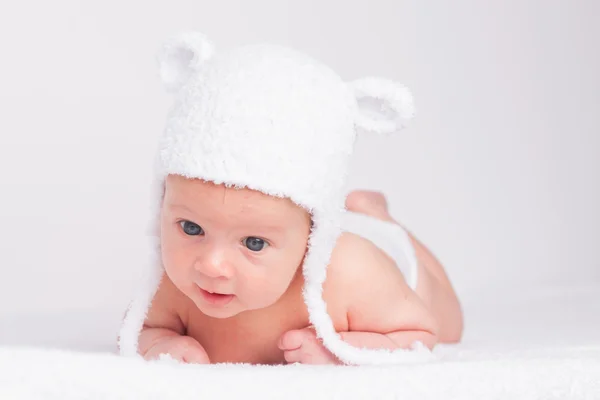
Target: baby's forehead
[{"x": 205, "y": 195}]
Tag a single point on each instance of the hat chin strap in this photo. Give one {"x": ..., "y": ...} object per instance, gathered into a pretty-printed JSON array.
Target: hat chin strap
[
  {"x": 138, "y": 308},
  {"x": 152, "y": 274},
  {"x": 322, "y": 240}
]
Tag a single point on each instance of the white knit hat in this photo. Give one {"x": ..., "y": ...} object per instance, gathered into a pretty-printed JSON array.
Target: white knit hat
[{"x": 272, "y": 119}]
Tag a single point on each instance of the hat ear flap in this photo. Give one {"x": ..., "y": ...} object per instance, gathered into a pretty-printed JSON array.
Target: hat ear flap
[
  {"x": 180, "y": 56},
  {"x": 384, "y": 106}
]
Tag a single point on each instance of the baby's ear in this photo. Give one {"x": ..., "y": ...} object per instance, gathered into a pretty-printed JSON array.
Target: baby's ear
[
  {"x": 180, "y": 56},
  {"x": 384, "y": 106}
]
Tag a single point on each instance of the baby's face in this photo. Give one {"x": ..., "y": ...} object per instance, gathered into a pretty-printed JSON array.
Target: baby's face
[{"x": 242, "y": 245}]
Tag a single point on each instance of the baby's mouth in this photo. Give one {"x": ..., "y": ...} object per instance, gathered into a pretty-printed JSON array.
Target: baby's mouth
[{"x": 214, "y": 298}]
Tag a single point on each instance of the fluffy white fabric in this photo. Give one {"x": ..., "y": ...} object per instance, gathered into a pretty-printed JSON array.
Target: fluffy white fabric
[{"x": 549, "y": 374}]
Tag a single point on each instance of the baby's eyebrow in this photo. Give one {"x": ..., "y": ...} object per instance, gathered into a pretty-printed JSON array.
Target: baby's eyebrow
[
  {"x": 250, "y": 224},
  {"x": 180, "y": 206},
  {"x": 261, "y": 226},
  {"x": 272, "y": 228}
]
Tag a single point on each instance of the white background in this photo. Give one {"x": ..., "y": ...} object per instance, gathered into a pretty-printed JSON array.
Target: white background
[{"x": 499, "y": 175}]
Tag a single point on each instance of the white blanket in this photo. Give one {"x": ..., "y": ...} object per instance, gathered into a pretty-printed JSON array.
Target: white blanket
[
  {"x": 533, "y": 344},
  {"x": 549, "y": 374}
]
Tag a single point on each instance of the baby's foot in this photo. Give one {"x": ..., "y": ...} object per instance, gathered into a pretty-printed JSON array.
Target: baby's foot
[
  {"x": 370, "y": 203},
  {"x": 303, "y": 346}
]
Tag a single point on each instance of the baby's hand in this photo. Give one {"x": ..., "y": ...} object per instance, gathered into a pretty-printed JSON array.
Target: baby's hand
[
  {"x": 180, "y": 348},
  {"x": 302, "y": 346}
]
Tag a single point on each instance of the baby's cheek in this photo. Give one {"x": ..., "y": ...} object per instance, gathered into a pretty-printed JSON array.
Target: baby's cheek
[
  {"x": 175, "y": 265},
  {"x": 261, "y": 290},
  {"x": 173, "y": 251},
  {"x": 169, "y": 257}
]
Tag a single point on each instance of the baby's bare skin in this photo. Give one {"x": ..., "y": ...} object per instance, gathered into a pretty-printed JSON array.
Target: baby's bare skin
[{"x": 367, "y": 298}]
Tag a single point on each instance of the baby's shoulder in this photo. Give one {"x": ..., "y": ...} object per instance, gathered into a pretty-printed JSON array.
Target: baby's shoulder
[
  {"x": 369, "y": 286},
  {"x": 358, "y": 266},
  {"x": 170, "y": 301},
  {"x": 356, "y": 258}
]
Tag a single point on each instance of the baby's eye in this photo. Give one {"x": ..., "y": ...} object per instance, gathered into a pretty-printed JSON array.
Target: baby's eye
[
  {"x": 191, "y": 228},
  {"x": 255, "y": 244}
]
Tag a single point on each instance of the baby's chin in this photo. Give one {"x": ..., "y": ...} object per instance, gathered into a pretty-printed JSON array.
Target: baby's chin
[
  {"x": 218, "y": 313},
  {"x": 232, "y": 309}
]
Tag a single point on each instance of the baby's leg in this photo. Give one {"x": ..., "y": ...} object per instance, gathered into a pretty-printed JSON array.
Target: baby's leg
[{"x": 434, "y": 287}]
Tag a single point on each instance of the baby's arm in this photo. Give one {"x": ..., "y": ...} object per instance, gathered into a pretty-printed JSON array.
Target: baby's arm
[
  {"x": 380, "y": 308},
  {"x": 164, "y": 332},
  {"x": 383, "y": 312}
]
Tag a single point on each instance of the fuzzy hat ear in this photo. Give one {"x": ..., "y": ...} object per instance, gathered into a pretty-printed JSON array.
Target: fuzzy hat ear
[
  {"x": 182, "y": 55},
  {"x": 384, "y": 106}
]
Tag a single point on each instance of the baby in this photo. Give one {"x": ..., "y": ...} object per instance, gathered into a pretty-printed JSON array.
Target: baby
[
  {"x": 251, "y": 264},
  {"x": 232, "y": 291}
]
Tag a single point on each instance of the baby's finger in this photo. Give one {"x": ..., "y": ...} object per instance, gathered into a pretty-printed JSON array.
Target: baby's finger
[
  {"x": 155, "y": 353},
  {"x": 292, "y": 340},
  {"x": 293, "y": 356},
  {"x": 304, "y": 356},
  {"x": 314, "y": 352},
  {"x": 195, "y": 356}
]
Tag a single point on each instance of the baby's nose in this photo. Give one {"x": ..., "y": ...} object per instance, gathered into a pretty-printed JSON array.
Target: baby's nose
[{"x": 214, "y": 263}]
